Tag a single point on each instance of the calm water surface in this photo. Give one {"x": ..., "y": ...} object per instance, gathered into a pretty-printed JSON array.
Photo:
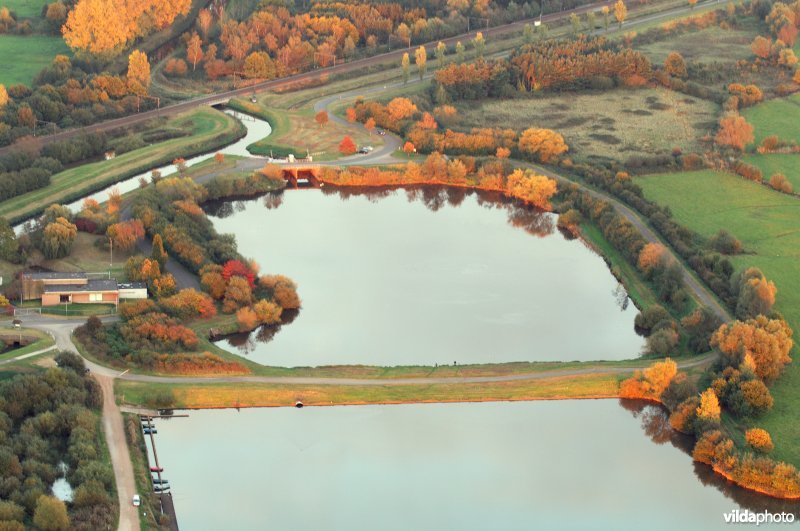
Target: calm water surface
[
  {"x": 487, "y": 466},
  {"x": 427, "y": 276}
]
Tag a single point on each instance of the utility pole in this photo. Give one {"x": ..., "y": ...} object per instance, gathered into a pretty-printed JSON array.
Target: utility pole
[{"x": 111, "y": 257}]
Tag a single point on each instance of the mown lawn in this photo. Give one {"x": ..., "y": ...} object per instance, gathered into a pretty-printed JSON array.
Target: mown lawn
[
  {"x": 768, "y": 224},
  {"x": 23, "y": 56},
  {"x": 785, "y": 163},
  {"x": 776, "y": 117},
  {"x": 210, "y": 129}
]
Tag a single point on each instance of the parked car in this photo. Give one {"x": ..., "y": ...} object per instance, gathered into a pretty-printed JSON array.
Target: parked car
[
  {"x": 156, "y": 469},
  {"x": 381, "y": 132},
  {"x": 148, "y": 431},
  {"x": 137, "y": 501},
  {"x": 162, "y": 482},
  {"x": 160, "y": 488}
]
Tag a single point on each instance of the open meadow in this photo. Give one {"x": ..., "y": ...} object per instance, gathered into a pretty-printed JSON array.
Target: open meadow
[
  {"x": 23, "y": 56},
  {"x": 768, "y": 225},
  {"x": 712, "y": 44},
  {"x": 776, "y": 117},
  {"x": 605, "y": 125}
]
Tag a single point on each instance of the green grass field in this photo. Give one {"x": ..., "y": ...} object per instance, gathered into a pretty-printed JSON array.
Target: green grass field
[
  {"x": 210, "y": 129},
  {"x": 707, "y": 45},
  {"x": 25, "y": 8},
  {"x": 22, "y": 57},
  {"x": 785, "y": 163},
  {"x": 768, "y": 224},
  {"x": 776, "y": 117}
]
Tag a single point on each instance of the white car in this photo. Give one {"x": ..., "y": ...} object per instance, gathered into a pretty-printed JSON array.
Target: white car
[{"x": 137, "y": 501}]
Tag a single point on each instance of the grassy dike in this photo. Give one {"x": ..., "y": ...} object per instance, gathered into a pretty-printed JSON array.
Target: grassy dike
[
  {"x": 197, "y": 396},
  {"x": 209, "y": 130}
]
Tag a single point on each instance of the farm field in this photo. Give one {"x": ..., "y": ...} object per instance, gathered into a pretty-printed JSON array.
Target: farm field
[
  {"x": 612, "y": 125},
  {"x": 776, "y": 117},
  {"x": 768, "y": 225},
  {"x": 785, "y": 163},
  {"x": 23, "y": 56},
  {"x": 25, "y": 8}
]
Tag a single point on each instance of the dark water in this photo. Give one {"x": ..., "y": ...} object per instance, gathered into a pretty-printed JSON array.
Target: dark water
[
  {"x": 427, "y": 276},
  {"x": 522, "y": 465}
]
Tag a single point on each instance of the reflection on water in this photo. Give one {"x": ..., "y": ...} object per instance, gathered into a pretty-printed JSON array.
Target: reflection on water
[
  {"x": 505, "y": 465},
  {"x": 427, "y": 275},
  {"x": 655, "y": 423}
]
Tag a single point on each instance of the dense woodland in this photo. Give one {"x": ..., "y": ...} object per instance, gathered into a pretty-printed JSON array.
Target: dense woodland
[{"x": 48, "y": 419}]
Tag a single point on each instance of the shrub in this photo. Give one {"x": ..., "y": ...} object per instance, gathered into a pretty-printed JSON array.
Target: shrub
[{"x": 759, "y": 440}]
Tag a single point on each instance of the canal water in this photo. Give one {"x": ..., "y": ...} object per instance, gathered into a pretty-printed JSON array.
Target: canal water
[
  {"x": 486, "y": 466},
  {"x": 425, "y": 276}
]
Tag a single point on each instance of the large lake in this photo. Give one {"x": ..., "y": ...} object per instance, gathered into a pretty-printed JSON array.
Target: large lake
[
  {"x": 427, "y": 276},
  {"x": 485, "y": 466}
]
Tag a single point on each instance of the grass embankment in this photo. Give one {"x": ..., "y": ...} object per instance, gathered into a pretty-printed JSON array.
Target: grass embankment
[
  {"x": 296, "y": 132},
  {"x": 23, "y": 56},
  {"x": 209, "y": 130},
  {"x": 255, "y": 395},
  {"x": 39, "y": 341},
  {"x": 768, "y": 225}
]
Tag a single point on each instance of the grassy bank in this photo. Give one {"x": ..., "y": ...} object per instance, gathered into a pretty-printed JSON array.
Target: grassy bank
[
  {"x": 41, "y": 340},
  {"x": 23, "y": 56},
  {"x": 767, "y": 224},
  {"x": 210, "y": 129},
  {"x": 786, "y": 163},
  {"x": 256, "y": 395}
]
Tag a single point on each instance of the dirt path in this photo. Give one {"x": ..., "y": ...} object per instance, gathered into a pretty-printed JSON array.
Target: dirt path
[{"x": 114, "y": 430}]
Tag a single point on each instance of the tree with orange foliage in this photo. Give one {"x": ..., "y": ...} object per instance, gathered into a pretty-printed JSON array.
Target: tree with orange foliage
[
  {"x": 369, "y": 125},
  {"x": 534, "y": 189},
  {"x": 246, "y": 318},
  {"x": 759, "y": 440},
  {"x": 283, "y": 290},
  {"x": 3, "y": 96},
  {"x": 347, "y": 146},
  {"x": 350, "y": 114},
  {"x": 189, "y": 303},
  {"x": 544, "y": 144},
  {"x": 620, "y": 12},
  {"x": 204, "y": 21},
  {"x": 235, "y": 268},
  {"x": 408, "y": 148},
  {"x": 194, "y": 50},
  {"x": 138, "y": 73},
  {"x": 219, "y": 157},
  {"x": 126, "y": 233},
  {"x": 761, "y": 47},
  {"x": 651, "y": 257},
  {"x": 764, "y": 342},
  {"x": 756, "y": 294},
  {"x": 735, "y": 132},
  {"x": 401, "y": 108},
  {"x": 778, "y": 181},
  {"x": 674, "y": 65},
  {"x": 788, "y": 34},
  {"x": 114, "y": 201},
  {"x": 692, "y": 3},
  {"x": 427, "y": 122},
  {"x": 651, "y": 383},
  {"x": 321, "y": 118},
  {"x": 212, "y": 281},
  {"x": 502, "y": 153},
  {"x": 237, "y": 294}
]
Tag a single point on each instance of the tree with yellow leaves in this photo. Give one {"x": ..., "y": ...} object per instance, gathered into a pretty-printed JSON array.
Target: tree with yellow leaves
[
  {"x": 405, "y": 62},
  {"x": 3, "y": 96},
  {"x": 651, "y": 383},
  {"x": 709, "y": 406},
  {"x": 532, "y": 188},
  {"x": 620, "y": 12},
  {"x": 544, "y": 144},
  {"x": 421, "y": 60},
  {"x": 138, "y": 73},
  {"x": 767, "y": 342},
  {"x": 194, "y": 50}
]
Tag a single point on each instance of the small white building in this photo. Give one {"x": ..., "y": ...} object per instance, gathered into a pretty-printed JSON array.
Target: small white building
[{"x": 132, "y": 290}]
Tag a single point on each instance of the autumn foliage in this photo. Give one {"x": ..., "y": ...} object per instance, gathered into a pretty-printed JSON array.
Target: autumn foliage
[
  {"x": 759, "y": 440},
  {"x": 764, "y": 342},
  {"x": 735, "y": 132},
  {"x": 234, "y": 268},
  {"x": 651, "y": 383},
  {"x": 347, "y": 146},
  {"x": 543, "y": 144}
]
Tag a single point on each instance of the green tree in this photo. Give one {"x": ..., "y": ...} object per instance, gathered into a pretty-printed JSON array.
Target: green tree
[
  {"x": 441, "y": 50},
  {"x": 58, "y": 238},
  {"x": 158, "y": 253},
  {"x": 527, "y": 33},
  {"x": 459, "y": 52},
  {"x": 9, "y": 246},
  {"x": 50, "y": 514},
  {"x": 479, "y": 43},
  {"x": 575, "y": 21}
]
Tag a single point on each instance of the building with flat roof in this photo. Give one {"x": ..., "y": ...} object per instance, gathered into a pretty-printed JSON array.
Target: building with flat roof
[{"x": 77, "y": 288}]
